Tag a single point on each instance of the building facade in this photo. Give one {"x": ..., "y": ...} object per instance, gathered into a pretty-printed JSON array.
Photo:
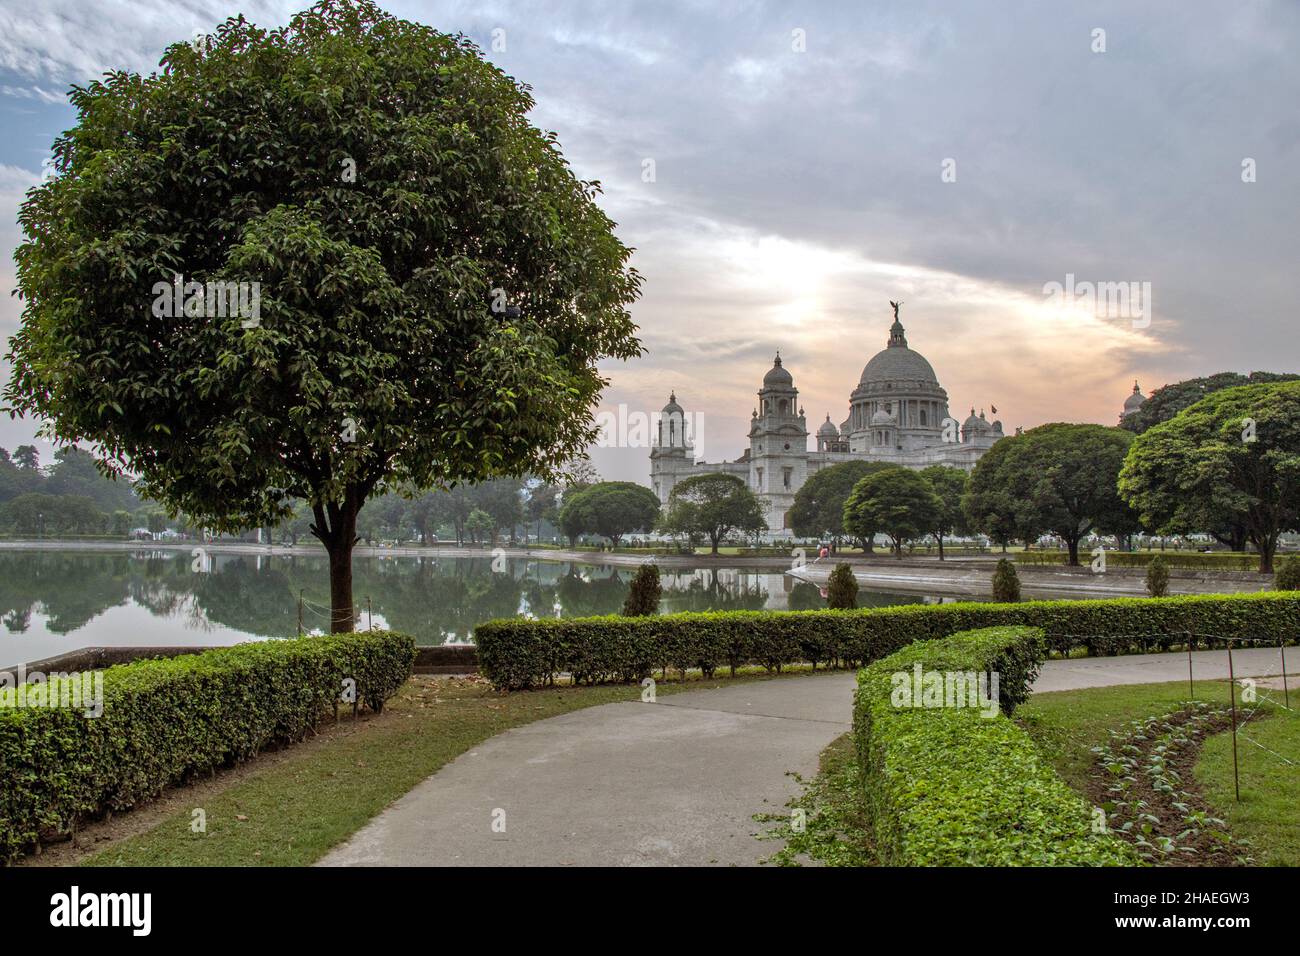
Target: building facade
[{"x": 898, "y": 413}]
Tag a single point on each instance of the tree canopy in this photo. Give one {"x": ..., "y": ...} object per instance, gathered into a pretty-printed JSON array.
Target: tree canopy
[
  {"x": 713, "y": 506},
  {"x": 1059, "y": 478},
  {"x": 950, "y": 485},
  {"x": 1234, "y": 455},
  {"x": 1168, "y": 400},
  {"x": 434, "y": 285},
  {"x": 897, "y": 502},
  {"x": 818, "y": 507},
  {"x": 610, "y": 509}
]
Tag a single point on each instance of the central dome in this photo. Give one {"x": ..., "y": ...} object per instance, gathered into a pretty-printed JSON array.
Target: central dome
[{"x": 898, "y": 363}]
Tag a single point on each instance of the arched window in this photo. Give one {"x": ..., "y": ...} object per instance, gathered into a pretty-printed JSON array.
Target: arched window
[
  {"x": 783, "y": 406},
  {"x": 924, "y": 418}
]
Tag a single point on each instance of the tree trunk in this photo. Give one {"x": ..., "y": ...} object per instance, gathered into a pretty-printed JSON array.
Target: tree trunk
[
  {"x": 1266, "y": 545},
  {"x": 1073, "y": 545},
  {"x": 940, "y": 537},
  {"x": 339, "y": 535},
  {"x": 713, "y": 539},
  {"x": 342, "y": 619}
]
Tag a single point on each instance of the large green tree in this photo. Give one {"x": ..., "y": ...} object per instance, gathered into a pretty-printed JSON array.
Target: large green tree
[
  {"x": 1235, "y": 453},
  {"x": 1168, "y": 400},
  {"x": 611, "y": 509},
  {"x": 818, "y": 507},
  {"x": 897, "y": 502},
  {"x": 436, "y": 285},
  {"x": 1059, "y": 478},
  {"x": 950, "y": 485},
  {"x": 713, "y": 506}
]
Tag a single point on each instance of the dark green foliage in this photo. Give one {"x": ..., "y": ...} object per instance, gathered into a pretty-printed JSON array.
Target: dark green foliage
[
  {"x": 1230, "y": 459},
  {"x": 712, "y": 506},
  {"x": 842, "y": 588},
  {"x": 1157, "y": 577},
  {"x": 166, "y": 720},
  {"x": 610, "y": 509},
  {"x": 644, "y": 594},
  {"x": 1006, "y": 583},
  {"x": 33, "y": 514},
  {"x": 897, "y": 502},
  {"x": 516, "y": 653},
  {"x": 818, "y": 507},
  {"x": 1059, "y": 478},
  {"x": 438, "y": 289},
  {"x": 948, "y": 786},
  {"x": 1288, "y": 574},
  {"x": 1166, "y": 402}
]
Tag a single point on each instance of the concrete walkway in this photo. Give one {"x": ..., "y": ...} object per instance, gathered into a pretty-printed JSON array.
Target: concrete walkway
[{"x": 670, "y": 783}]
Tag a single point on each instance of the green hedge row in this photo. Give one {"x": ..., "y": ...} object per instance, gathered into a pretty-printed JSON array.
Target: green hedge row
[
  {"x": 517, "y": 653},
  {"x": 1189, "y": 560},
  {"x": 165, "y": 720},
  {"x": 947, "y": 786}
]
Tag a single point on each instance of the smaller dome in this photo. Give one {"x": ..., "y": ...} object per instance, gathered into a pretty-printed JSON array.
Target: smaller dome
[
  {"x": 997, "y": 428},
  {"x": 882, "y": 417},
  {"x": 971, "y": 422},
  {"x": 777, "y": 375},
  {"x": 672, "y": 408},
  {"x": 828, "y": 429},
  {"x": 1134, "y": 401}
]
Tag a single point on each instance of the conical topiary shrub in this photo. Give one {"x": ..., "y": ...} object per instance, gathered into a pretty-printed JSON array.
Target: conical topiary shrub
[
  {"x": 1006, "y": 583},
  {"x": 643, "y": 596},
  {"x": 1157, "y": 577},
  {"x": 842, "y": 588}
]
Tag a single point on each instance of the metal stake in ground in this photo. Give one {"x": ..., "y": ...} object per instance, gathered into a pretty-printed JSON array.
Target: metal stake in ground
[
  {"x": 370, "y": 614},
  {"x": 1191, "y": 688},
  {"x": 300, "y": 590},
  {"x": 1232, "y": 690},
  {"x": 1286, "y": 695}
]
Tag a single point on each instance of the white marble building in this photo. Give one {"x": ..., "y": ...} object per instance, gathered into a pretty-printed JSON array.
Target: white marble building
[{"x": 898, "y": 413}]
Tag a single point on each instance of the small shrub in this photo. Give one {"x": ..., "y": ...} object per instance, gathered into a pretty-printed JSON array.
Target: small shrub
[
  {"x": 1006, "y": 583},
  {"x": 842, "y": 588},
  {"x": 1288, "y": 574},
  {"x": 643, "y": 596},
  {"x": 1157, "y": 578}
]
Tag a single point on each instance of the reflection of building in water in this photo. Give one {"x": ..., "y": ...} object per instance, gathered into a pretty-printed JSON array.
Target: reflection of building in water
[{"x": 898, "y": 413}]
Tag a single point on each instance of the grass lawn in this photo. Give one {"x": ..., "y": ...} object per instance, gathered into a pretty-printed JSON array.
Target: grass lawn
[
  {"x": 290, "y": 807},
  {"x": 1066, "y": 724},
  {"x": 1269, "y": 812}
]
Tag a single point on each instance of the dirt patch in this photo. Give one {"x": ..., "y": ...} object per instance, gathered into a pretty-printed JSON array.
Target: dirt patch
[{"x": 1145, "y": 785}]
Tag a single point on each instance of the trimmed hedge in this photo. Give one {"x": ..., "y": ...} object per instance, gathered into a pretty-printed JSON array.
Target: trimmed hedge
[
  {"x": 165, "y": 720},
  {"x": 516, "y": 653},
  {"x": 945, "y": 786},
  {"x": 1187, "y": 560}
]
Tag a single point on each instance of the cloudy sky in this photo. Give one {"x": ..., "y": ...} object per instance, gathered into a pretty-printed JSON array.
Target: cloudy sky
[{"x": 812, "y": 161}]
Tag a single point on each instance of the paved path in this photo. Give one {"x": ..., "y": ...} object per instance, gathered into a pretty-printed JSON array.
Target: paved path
[{"x": 671, "y": 783}]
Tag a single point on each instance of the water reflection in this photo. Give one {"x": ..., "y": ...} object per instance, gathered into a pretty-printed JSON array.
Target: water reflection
[{"x": 56, "y": 601}]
